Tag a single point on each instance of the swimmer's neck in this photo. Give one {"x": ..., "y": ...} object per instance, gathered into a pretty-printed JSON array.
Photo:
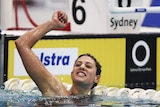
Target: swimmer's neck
[{"x": 76, "y": 90}]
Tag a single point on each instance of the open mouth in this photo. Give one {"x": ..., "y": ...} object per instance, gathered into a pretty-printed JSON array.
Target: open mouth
[{"x": 81, "y": 73}]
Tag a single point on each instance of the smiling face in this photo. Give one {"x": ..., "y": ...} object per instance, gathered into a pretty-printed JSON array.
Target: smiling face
[{"x": 84, "y": 72}]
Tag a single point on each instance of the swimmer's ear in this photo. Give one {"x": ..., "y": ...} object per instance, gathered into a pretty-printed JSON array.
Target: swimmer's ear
[
  {"x": 72, "y": 72},
  {"x": 97, "y": 78}
]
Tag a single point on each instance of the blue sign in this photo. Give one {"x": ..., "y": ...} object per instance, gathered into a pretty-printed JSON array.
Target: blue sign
[{"x": 152, "y": 19}]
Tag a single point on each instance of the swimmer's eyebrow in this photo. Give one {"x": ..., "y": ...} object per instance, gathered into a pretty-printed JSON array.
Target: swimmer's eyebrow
[{"x": 85, "y": 62}]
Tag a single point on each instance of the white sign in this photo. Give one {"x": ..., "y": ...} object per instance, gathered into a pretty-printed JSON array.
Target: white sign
[
  {"x": 88, "y": 16},
  {"x": 58, "y": 61},
  {"x": 96, "y": 16},
  {"x": 121, "y": 21}
]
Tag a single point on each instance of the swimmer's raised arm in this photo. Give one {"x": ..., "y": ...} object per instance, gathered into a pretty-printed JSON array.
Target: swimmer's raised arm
[
  {"x": 58, "y": 20},
  {"x": 47, "y": 83}
]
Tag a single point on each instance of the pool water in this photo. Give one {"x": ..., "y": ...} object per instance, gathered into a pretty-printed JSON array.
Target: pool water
[
  {"x": 24, "y": 93},
  {"x": 10, "y": 98}
]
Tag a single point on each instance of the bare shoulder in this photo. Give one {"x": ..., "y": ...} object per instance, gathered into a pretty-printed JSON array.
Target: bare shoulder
[{"x": 54, "y": 87}]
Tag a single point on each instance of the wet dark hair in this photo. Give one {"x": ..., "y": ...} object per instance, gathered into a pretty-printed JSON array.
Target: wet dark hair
[{"x": 98, "y": 66}]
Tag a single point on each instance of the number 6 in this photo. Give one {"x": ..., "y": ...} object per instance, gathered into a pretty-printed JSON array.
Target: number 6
[{"x": 74, "y": 12}]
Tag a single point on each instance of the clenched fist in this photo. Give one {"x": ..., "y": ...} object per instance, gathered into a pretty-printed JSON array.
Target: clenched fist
[{"x": 59, "y": 19}]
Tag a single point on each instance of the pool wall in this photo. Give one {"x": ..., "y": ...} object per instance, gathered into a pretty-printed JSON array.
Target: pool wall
[{"x": 128, "y": 60}]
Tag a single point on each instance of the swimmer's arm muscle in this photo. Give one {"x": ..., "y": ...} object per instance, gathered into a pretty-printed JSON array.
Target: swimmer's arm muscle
[{"x": 47, "y": 83}]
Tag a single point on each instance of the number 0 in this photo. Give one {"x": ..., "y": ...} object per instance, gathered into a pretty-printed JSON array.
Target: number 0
[{"x": 75, "y": 10}]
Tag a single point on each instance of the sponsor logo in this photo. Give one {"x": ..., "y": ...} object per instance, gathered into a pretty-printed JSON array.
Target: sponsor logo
[
  {"x": 58, "y": 61},
  {"x": 54, "y": 60},
  {"x": 138, "y": 62},
  {"x": 141, "y": 62}
]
